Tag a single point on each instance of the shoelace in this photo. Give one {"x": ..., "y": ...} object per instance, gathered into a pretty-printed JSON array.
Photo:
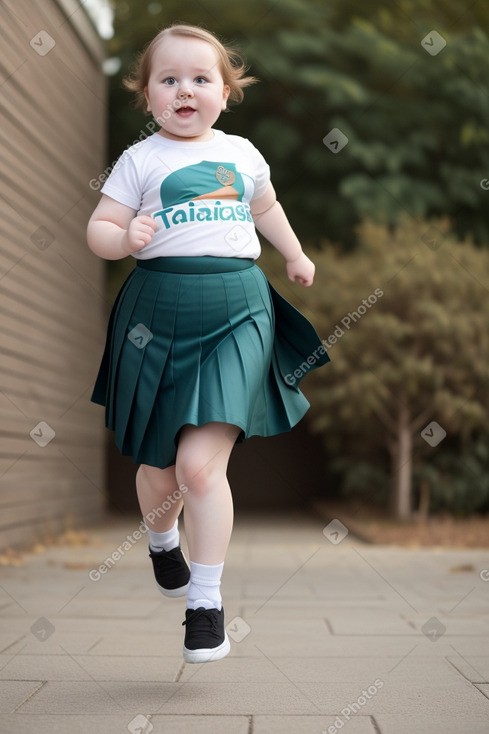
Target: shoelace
[
  {"x": 202, "y": 621},
  {"x": 169, "y": 566}
]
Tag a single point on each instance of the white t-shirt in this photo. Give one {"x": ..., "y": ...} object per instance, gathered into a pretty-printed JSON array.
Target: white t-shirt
[{"x": 198, "y": 193}]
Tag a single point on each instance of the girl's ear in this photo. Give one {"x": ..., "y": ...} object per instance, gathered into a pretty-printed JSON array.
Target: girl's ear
[
  {"x": 148, "y": 107},
  {"x": 225, "y": 94}
]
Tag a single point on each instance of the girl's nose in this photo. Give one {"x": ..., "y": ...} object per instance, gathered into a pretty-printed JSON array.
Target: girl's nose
[{"x": 185, "y": 91}]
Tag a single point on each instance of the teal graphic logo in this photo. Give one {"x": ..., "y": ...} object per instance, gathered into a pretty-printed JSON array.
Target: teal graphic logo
[
  {"x": 204, "y": 180},
  {"x": 205, "y": 192}
]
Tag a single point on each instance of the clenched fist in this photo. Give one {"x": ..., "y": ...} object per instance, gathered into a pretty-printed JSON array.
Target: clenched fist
[{"x": 139, "y": 234}]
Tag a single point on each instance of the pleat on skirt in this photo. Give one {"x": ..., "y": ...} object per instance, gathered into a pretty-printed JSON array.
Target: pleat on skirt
[{"x": 196, "y": 340}]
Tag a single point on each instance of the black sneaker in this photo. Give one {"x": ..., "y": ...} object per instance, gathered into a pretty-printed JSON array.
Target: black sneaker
[
  {"x": 172, "y": 573},
  {"x": 205, "y": 637}
]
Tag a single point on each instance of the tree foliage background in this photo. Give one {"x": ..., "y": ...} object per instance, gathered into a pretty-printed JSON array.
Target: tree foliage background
[
  {"x": 408, "y": 191},
  {"x": 417, "y": 124}
]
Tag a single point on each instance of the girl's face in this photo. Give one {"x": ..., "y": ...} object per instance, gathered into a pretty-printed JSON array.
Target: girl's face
[{"x": 186, "y": 92}]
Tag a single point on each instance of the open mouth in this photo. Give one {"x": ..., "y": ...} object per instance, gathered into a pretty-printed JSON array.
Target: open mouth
[{"x": 185, "y": 111}]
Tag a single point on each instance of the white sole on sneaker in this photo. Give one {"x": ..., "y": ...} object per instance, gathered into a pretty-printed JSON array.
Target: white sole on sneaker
[
  {"x": 207, "y": 655},
  {"x": 182, "y": 591}
]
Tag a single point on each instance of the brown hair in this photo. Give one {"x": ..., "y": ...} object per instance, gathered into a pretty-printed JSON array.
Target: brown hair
[{"x": 232, "y": 65}]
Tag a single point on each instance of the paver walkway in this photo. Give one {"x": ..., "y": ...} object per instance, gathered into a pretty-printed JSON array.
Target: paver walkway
[{"x": 328, "y": 634}]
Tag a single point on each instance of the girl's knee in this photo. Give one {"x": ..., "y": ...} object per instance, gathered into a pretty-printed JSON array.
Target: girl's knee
[
  {"x": 195, "y": 474},
  {"x": 202, "y": 456}
]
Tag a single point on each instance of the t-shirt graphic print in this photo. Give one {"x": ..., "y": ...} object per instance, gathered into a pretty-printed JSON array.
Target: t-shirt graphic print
[
  {"x": 196, "y": 194},
  {"x": 202, "y": 208}
]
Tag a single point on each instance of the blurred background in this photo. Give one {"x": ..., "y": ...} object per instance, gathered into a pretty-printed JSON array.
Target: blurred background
[{"x": 374, "y": 118}]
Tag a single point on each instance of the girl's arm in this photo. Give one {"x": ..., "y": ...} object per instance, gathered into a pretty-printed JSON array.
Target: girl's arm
[
  {"x": 114, "y": 231},
  {"x": 270, "y": 220}
]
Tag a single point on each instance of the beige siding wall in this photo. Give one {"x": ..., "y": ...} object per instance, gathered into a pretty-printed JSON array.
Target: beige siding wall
[{"x": 52, "y": 304}]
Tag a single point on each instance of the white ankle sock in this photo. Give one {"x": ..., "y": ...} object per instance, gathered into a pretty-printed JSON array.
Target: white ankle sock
[
  {"x": 203, "y": 590},
  {"x": 164, "y": 541}
]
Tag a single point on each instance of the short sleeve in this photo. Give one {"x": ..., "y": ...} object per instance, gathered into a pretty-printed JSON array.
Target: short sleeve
[
  {"x": 262, "y": 171},
  {"x": 124, "y": 184}
]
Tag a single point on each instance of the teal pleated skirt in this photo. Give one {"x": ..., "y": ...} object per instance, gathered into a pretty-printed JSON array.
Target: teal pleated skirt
[{"x": 193, "y": 340}]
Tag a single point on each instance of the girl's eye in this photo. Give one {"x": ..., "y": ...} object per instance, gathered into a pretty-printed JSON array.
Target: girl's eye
[
  {"x": 200, "y": 80},
  {"x": 170, "y": 81}
]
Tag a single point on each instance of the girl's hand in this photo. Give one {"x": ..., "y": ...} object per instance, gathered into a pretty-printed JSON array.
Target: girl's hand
[
  {"x": 139, "y": 233},
  {"x": 301, "y": 270}
]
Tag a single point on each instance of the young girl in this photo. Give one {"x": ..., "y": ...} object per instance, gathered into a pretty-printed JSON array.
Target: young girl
[{"x": 201, "y": 351}]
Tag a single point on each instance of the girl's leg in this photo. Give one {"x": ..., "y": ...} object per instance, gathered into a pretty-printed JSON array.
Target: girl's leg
[
  {"x": 202, "y": 460},
  {"x": 159, "y": 497},
  {"x": 161, "y": 502}
]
